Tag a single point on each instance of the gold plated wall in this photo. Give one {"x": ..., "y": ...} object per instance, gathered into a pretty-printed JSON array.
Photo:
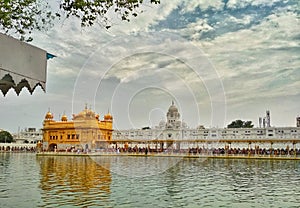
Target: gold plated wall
[{"x": 84, "y": 131}]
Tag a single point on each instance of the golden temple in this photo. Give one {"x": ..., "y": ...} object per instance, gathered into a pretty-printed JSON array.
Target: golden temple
[{"x": 85, "y": 131}]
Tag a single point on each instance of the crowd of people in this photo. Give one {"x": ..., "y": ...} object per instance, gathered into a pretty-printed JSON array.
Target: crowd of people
[
  {"x": 210, "y": 151},
  {"x": 245, "y": 151},
  {"x": 17, "y": 149},
  {"x": 190, "y": 151}
]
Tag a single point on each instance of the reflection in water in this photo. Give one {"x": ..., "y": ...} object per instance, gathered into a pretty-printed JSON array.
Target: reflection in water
[
  {"x": 18, "y": 180},
  {"x": 234, "y": 183},
  {"x": 76, "y": 181},
  {"x": 64, "y": 181},
  {"x": 135, "y": 167}
]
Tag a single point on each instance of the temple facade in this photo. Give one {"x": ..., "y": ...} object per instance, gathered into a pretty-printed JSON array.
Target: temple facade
[{"x": 85, "y": 131}]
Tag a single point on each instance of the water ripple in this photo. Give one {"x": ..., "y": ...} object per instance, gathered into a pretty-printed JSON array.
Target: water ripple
[{"x": 30, "y": 181}]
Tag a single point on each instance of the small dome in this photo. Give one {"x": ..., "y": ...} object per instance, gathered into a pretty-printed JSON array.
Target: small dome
[
  {"x": 162, "y": 124},
  {"x": 49, "y": 116},
  {"x": 64, "y": 118},
  {"x": 97, "y": 116},
  {"x": 200, "y": 127},
  {"x": 173, "y": 111},
  {"x": 173, "y": 108},
  {"x": 108, "y": 117}
]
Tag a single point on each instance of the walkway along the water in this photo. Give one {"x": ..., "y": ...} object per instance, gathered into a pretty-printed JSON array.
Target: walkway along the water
[{"x": 169, "y": 154}]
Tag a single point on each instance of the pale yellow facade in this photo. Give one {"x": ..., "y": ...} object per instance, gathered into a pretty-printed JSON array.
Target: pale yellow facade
[{"x": 85, "y": 131}]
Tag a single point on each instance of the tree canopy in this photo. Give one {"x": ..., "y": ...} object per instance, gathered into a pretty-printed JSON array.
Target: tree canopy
[
  {"x": 240, "y": 124},
  {"x": 23, "y": 16},
  {"x": 6, "y": 137}
]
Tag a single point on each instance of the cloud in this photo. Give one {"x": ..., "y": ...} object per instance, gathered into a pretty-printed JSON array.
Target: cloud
[
  {"x": 176, "y": 50},
  {"x": 258, "y": 65},
  {"x": 206, "y": 23},
  {"x": 191, "y": 5},
  {"x": 234, "y": 4}
]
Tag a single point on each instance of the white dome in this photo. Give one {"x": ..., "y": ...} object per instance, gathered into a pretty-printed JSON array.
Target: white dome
[
  {"x": 173, "y": 111},
  {"x": 162, "y": 124}
]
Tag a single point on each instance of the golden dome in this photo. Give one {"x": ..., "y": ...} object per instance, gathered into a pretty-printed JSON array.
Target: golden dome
[
  {"x": 49, "y": 116},
  {"x": 85, "y": 114},
  {"x": 64, "y": 118},
  {"x": 108, "y": 116}
]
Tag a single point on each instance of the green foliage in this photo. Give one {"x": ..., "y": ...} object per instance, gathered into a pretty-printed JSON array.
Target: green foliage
[
  {"x": 23, "y": 16},
  {"x": 5, "y": 136},
  {"x": 240, "y": 124},
  {"x": 90, "y": 11}
]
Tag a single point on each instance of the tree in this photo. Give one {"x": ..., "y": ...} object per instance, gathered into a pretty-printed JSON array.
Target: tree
[
  {"x": 240, "y": 124},
  {"x": 248, "y": 124},
  {"x": 5, "y": 137},
  {"x": 23, "y": 16}
]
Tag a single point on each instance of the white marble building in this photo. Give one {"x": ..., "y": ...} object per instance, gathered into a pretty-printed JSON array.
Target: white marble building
[
  {"x": 28, "y": 135},
  {"x": 174, "y": 129}
]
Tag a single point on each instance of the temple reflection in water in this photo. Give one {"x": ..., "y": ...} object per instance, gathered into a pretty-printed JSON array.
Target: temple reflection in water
[{"x": 62, "y": 176}]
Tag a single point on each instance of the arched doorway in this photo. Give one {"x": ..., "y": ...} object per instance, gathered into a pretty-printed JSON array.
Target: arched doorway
[{"x": 52, "y": 147}]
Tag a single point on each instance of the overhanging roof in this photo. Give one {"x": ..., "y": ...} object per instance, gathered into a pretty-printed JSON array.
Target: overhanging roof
[{"x": 21, "y": 65}]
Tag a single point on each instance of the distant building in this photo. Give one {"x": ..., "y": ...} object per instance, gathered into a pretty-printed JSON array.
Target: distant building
[
  {"x": 259, "y": 122},
  {"x": 173, "y": 129},
  {"x": 87, "y": 131},
  {"x": 84, "y": 131},
  {"x": 268, "y": 119},
  {"x": 265, "y": 121},
  {"x": 29, "y": 135}
]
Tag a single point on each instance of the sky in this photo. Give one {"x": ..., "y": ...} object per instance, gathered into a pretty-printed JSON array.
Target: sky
[{"x": 218, "y": 61}]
